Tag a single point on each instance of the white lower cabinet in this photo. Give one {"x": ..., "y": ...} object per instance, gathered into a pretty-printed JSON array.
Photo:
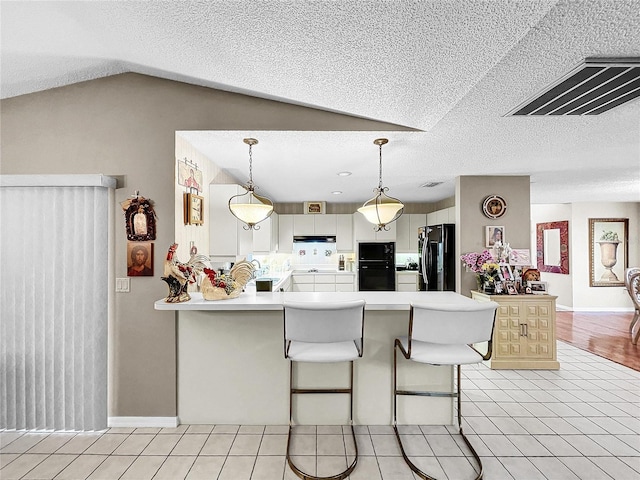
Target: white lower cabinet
[
  {"x": 407, "y": 281},
  {"x": 309, "y": 282}
]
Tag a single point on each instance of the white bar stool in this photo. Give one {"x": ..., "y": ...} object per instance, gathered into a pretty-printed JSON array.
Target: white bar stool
[
  {"x": 442, "y": 335},
  {"x": 323, "y": 333}
]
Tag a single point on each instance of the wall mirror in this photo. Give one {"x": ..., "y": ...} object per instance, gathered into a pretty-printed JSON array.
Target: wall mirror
[{"x": 553, "y": 247}]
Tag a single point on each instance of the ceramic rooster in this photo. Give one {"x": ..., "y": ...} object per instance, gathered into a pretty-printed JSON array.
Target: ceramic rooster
[{"x": 179, "y": 275}]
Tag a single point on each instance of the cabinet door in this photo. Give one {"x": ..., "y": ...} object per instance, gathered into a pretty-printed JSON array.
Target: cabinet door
[
  {"x": 539, "y": 330},
  {"x": 303, "y": 225},
  {"x": 344, "y": 233},
  {"x": 507, "y": 335},
  {"x": 403, "y": 229},
  {"x": 324, "y": 224},
  {"x": 362, "y": 230},
  {"x": 264, "y": 240},
  {"x": 416, "y": 220},
  {"x": 226, "y": 235},
  {"x": 285, "y": 233}
]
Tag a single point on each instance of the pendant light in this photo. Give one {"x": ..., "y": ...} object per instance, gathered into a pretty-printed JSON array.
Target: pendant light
[
  {"x": 382, "y": 209},
  {"x": 249, "y": 207}
]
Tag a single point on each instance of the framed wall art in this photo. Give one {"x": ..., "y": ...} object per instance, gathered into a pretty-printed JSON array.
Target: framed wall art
[
  {"x": 608, "y": 251},
  {"x": 493, "y": 234},
  {"x": 315, "y": 207},
  {"x": 140, "y": 259},
  {"x": 538, "y": 288},
  {"x": 520, "y": 256},
  {"x": 140, "y": 218},
  {"x": 189, "y": 175}
]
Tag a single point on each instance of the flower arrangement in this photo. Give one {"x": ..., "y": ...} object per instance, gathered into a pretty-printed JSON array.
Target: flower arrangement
[
  {"x": 501, "y": 251},
  {"x": 483, "y": 265},
  {"x": 609, "y": 236}
]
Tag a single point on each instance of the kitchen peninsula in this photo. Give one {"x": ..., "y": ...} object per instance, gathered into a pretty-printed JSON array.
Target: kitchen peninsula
[{"x": 232, "y": 370}]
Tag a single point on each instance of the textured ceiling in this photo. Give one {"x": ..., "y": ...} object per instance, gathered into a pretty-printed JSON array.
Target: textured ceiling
[{"x": 450, "y": 68}]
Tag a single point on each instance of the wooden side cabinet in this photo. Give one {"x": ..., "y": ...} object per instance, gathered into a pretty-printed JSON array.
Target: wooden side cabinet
[{"x": 524, "y": 336}]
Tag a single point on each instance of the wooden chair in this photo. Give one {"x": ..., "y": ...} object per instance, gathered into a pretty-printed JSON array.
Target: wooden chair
[{"x": 632, "y": 282}]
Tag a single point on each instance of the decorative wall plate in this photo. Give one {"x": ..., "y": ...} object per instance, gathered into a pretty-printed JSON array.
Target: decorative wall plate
[{"x": 494, "y": 206}]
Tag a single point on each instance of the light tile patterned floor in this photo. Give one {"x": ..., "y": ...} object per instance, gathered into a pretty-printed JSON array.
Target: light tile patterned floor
[{"x": 581, "y": 422}]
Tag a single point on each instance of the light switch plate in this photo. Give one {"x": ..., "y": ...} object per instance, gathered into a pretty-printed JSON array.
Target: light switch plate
[{"x": 122, "y": 285}]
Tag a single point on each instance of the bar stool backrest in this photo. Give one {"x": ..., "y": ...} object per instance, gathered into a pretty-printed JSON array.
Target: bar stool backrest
[
  {"x": 452, "y": 324},
  {"x": 324, "y": 322}
]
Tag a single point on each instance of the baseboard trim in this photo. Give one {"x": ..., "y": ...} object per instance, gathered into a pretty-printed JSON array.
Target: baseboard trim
[
  {"x": 162, "y": 422},
  {"x": 602, "y": 309}
]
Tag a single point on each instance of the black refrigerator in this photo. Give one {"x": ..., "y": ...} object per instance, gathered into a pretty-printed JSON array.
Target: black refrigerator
[
  {"x": 376, "y": 266},
  {"x": 437, "y": 267}
]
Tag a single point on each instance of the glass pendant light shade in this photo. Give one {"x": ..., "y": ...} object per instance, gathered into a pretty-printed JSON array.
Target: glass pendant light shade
[
  {"x": 382, "y": 209},
  {"x": 249, "y": 207}
]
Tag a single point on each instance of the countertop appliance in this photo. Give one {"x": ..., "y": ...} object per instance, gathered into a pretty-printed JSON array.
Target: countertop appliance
[
  {"x": 436, "y": 246},
  {"x": 376, "y": 266}
]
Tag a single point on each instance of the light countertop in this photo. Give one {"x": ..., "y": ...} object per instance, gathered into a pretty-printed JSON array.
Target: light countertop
[{"x": 251, "y": 300}]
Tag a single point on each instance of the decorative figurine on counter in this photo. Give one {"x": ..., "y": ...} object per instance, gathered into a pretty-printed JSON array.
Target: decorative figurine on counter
[
  {"x": 179, "y": 275},
  {"x": 224, "y": 286}
]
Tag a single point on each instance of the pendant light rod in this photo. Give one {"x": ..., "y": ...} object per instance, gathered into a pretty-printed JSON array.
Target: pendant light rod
[{"x": 380, "y": 142}]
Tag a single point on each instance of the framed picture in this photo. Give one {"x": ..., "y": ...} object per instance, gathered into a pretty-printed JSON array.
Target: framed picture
[
  {"x": 608, "y": 251},
  {"x": 538, "y": 288},
  {"x": 140, "y": 219},
  {"x": 511, "y": 288},
  {"x": 193, "y": 209},
  {"x": 315, "y": 208},
  {"x": 506, "y": 275},
  {"x": 520, "y": 256},
  {"x": 139, "y": 259},
  {"x": 493, "y": 234},
  {"x": 189, "y": 175}
]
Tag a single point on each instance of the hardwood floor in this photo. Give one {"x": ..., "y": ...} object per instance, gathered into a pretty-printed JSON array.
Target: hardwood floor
[{"x": 602, "y": 333}]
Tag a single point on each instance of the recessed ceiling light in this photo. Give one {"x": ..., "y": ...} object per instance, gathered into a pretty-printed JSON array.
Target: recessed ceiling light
[
  {"x": 337, "y": 192},
  {"x": 344, "y": 174}
]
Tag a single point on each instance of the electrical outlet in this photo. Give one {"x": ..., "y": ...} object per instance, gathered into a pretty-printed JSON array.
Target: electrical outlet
[{"x": 122, "y": 285}]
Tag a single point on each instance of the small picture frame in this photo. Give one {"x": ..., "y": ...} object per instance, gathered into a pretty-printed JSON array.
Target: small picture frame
[
  {"x": 493, "y": 234},
  {"x": 511, "y": 288},
  {"x": 139, "y": 259},
  {"x": 193, "y": 209},
  {"x": 506, "y": 274},
  {"x": 315, "y": 208},
  {"x": 520, "y": 256},
  {"x": 538, "y": 288}
]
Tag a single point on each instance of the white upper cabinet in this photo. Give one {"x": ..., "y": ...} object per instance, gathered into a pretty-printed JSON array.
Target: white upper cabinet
[
  {"x": 364, "y": 231},
  {"x": 303, "y": 225},
  {"x": 265, "y": 239},
  {"x": 407, "y": 232},
  {"x": 344, "y": 233},
  {"x": 446, "y": 215},
  {"x": 285, "y": 233},
  {"x": 226, "y": 235},
  {"x": 324, "y": 224}
]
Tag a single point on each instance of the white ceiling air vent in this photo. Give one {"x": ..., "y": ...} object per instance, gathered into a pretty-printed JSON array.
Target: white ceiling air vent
[
  {"x": 595, "y": 86},
  {"x": 430, "y": 184}
]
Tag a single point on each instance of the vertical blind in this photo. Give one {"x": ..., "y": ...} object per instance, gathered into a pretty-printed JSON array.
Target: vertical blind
[{"x": 54, "y": 253}]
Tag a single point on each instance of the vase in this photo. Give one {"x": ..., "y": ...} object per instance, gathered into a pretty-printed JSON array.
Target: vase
[
  {"x": 480, "y": 284},
  {"x": 608, "y": 257}
]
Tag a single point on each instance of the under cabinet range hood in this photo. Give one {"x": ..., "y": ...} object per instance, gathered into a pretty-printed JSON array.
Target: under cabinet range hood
[{"x": 314, "y": 238}]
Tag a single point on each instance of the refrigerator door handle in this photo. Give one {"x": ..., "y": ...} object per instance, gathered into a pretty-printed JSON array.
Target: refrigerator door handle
[{"x": 423, "y": 260}]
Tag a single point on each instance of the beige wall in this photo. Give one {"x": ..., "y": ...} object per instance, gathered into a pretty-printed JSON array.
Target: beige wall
[
  {"x": 125, "y": 125},
  {"x": 470, "y": 235}
]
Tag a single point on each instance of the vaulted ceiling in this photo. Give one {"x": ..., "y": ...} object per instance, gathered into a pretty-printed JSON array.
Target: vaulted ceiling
[{"x": 451, "y": 70}]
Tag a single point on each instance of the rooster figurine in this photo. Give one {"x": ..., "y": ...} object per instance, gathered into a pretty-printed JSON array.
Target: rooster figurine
[{"x": 179, "y": 275}]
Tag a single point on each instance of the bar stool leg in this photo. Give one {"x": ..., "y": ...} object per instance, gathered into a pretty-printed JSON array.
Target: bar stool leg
[
  {"x": 292, "y": 391},
  {"x": 411, "y": 465}
]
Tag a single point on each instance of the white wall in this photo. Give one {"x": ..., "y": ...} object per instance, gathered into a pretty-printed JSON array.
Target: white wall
[{"x": 573, "y": 290}]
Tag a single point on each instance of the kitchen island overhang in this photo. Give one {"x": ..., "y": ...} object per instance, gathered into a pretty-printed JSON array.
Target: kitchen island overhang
[{"x": 232, "y": 370}]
